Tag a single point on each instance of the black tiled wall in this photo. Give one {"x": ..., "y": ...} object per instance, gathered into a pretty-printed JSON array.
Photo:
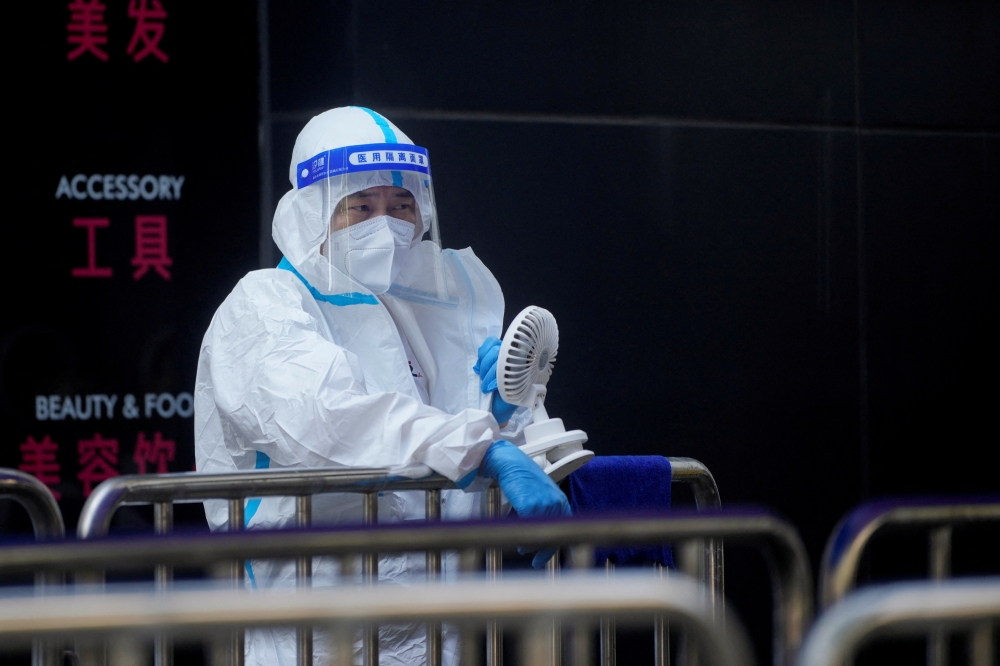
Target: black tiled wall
[
  {"x": 931, "y": 210},
  {"x": 930, "y": 63},
  {"x": 732, "y": 59}
]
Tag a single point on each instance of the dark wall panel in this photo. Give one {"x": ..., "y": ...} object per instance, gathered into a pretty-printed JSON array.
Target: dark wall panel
[
  {"x": 931, "y": 63},
  {"x": 932, "y": 207},
  {"x": 312, "y": 48},
  {"x": 726, "y": 59}
]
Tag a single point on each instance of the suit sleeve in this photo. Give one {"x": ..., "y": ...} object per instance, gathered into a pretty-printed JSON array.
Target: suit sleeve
[{"x": 284, "y": 389}]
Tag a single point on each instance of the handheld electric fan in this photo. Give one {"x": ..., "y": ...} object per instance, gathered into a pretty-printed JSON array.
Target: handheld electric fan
[{"x": 527, "y": 356}]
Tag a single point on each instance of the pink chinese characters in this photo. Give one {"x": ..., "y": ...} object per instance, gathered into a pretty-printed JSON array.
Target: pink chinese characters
[
  {"x": 149, "y": 27},
  {"x": 39, "y": 458},
  {"x": 159, "y": 452},
  {"x": 98, "y": 456},
  {"x": 151, "y": 246},
  {"x": 87, "y": 29}
]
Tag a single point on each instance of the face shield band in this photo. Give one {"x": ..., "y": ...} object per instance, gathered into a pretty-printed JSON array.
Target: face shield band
[{"x": 368, "y": 157}]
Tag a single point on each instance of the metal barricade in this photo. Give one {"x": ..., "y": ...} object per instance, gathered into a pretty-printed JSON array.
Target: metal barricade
[
  {"x": 522, "y": 603},
  {"x": 162, "y": 491},
  {"x": 37, "y": 500},
  {"x": 711, "y": 563},
  {"x": 968, "y": 604},
  {"x": 847, "y": 543},
  {"x": 792, "y": 582},
  {"x": 47, "y": 524}
]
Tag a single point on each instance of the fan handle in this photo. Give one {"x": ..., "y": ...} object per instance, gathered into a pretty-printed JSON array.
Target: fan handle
[{"x": 537, "y": 399}]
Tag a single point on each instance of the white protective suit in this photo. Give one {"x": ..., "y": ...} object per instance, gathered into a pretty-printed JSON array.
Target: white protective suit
[{"x": 304, "y": 367}]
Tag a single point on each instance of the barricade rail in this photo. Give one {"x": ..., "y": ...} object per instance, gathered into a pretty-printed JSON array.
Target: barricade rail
[
  {"x": 37, "y": 500},
  {"x": 522, "y": 603},
  {"x": 164, "y": 490},
  {"x": 969, "y": 604},
  {"x": 46, "y": 523},
  {"x": 792, "y": 583},
  {"x": 847, "y": 543}
]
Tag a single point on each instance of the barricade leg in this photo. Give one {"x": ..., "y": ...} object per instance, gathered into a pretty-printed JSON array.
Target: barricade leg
[
  {"x": 303, "y": 574},
  {"x": 494, "y": 562},
  {"x": 692, "y": 560},
  {"x": 555, "y": 637},
  {"x": 47, "y": 652},
  {"x": 715, "y": 577},
  {"x": 939, "y": 568},
  {"x": 342, "y": 642},
  {"x": 661, "y": 634},
  {"x": 369, "y": 575},
  {"x": 432, "y": 512},
  {"x": 126, "y": 650},
  {"x": 470, "y": 560},
  {"x": 236, "y": 643},
  {"x": 90, "y": 650},
  {"x": 581, "y": 557},
  {"x": 536, "y": 643},
  {"x": 609, "y": 650},
  {"x": 981, "y": 646},
  {"x": 163, "y": 523}
]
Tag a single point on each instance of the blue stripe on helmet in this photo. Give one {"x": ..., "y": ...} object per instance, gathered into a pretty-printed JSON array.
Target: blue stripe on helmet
[
  {"x": 383, "y": 124},
  {"x": 390, "y": 137}
]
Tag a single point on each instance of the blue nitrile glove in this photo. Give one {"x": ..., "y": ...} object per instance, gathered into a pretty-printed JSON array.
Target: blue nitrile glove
[
  {"x": 486, "y": 368},
  {"x": 528, "y": 489}
]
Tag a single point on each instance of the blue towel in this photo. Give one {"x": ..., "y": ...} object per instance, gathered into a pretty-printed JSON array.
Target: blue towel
[{"x": 623, "y": 484}]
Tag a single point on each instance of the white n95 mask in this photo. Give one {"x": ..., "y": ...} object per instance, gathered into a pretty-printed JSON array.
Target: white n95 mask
[{"x": 371, "y": 252}]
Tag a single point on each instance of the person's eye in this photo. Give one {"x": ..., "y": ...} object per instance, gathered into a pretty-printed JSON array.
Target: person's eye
[{"x": 363, "y": 208}]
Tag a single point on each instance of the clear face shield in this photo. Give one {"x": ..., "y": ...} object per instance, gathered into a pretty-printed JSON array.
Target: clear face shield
[{"x": 378, "y": 204}]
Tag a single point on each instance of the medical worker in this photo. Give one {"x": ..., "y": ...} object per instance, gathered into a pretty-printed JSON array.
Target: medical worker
[{"x": 368, "y": 346}]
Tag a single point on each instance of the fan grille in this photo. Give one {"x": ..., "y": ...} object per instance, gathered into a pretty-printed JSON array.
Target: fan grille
[{"x": 528, "y": 354}]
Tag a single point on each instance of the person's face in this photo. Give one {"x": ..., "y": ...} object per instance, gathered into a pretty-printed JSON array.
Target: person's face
[{"x": 373, "y": 202}]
